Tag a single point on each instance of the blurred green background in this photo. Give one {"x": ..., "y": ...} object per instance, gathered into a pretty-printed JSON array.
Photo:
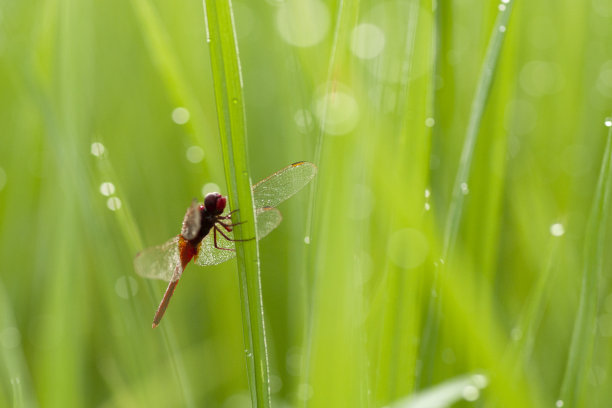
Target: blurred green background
[{"x": 370, "y": 298}]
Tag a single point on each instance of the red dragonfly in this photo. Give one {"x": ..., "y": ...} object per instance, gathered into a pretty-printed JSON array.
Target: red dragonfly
[{"x": 168, "y": 261}]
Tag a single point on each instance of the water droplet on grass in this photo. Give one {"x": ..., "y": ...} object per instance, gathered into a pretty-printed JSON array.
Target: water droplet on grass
[
  {"x": 470, "y": 393},
  {"x": 209, "y": 188},
  {"x": 97, "y": 149},
  {"x": 557, "y": 230},
  {"x": 113, "y": 203},
  {"x": 303, "y": 24},
  {"x": 304, "y": 392},
  {"x": 367, "y": 41},
  {"x": 180, "y": 115},
  {"x": 126, "y": 287},
  {"x": 107, "y": 189},
  {"x": 194, "y": 154}
]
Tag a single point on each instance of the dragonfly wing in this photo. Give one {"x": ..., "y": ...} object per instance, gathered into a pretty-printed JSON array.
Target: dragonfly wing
[
  {"x": 267, "y": 220},
  {"x": 209, "y": 255},
  {"x": 192, "y": 221},
  {"x": 160, "y": 262},
  {"x": 281, "y": 185}
]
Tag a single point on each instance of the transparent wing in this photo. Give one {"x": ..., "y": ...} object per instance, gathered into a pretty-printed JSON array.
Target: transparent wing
[
  {"x": 267, "y": 220},
  {"x": 281, "y": 185},
  {"x": 160, "y": 262},
  {"x": 192, "y": 221}
]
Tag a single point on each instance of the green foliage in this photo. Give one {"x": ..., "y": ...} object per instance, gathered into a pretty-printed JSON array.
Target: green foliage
[{"x": 451, "y": 247}]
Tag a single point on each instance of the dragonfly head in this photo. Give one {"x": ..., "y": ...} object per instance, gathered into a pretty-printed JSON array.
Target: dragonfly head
[{"x": 214, "y": 203}]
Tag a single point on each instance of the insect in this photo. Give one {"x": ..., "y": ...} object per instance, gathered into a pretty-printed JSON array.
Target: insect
[{"x": 206, "y": 235}]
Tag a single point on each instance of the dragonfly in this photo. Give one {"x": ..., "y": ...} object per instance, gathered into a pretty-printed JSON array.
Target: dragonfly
[{"x": 206, "y": 235}]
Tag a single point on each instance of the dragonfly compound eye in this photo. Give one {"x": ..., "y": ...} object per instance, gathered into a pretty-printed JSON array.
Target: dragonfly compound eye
[
  {"x": 221, "y": 202},
  {"x": 211, "y": 202}
]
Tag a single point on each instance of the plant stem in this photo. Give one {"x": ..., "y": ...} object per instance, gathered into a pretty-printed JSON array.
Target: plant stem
[{"x": 232, "y": 126}]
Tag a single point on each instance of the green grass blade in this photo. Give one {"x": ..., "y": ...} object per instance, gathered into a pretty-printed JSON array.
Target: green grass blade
[
  {"x": 583, "y": 337},
  {"x": 479, "y": 104},
  {"x": 231, "y": 116},
  {"x": 455, "y": 211}
]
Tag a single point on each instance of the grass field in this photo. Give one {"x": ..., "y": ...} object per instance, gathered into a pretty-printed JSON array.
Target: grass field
[{"x": 451, "y": 251}]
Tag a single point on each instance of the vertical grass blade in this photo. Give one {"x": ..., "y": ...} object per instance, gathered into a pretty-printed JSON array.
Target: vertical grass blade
[
  {"x": 229, "y": 99},
  {"x": 455, "y": 211},
  {"x": 583, "y": 337}
]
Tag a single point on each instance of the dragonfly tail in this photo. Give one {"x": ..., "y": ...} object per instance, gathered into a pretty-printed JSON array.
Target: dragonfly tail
[{"x": 164, "y": 303}]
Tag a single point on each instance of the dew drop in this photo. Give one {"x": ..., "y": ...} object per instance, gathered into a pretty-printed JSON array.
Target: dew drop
[
  {"x": 303, "y": 24},
  {"x": 557, "y": 230},
  {"x": 501, "y": 7},
  {"x": 276, "y": 384},
  {"x": 430, "y": 122},
  {"x": 427, "y": 207},
  {"x": 180, "y": 115},
  {"x": 210, "y": 188},
  {"x": 608, "y": 122},
  {"x": 480, "y": 380},
  {"x": 97, "y": 149},
  {"x": 107, "y": 188},
  {"x": 502, "y": 28},
  {"x": 338, "y": 111},
  {"x": 559, "y": 403},
  {"x": 464, "y": 188},
  {"x": 470, "y": 393},
  {"x": 505, "y": 1},
  {"x": 304, "y": 392},
  {"x": 427, "y": 193},
  {"x": 113, "y": 203},
  {"x": 307, "y": 240},
  {"x": 194, "y": 154},
  {"x": 126, "y": 287},
  {"x": 367, "y": 41}
]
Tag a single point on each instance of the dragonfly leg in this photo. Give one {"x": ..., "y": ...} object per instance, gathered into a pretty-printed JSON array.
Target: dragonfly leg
[
  {"x": 215, "y": 239},
  {"x": 228, "y": 227},
  {"x": 228, "y": 238},
  {"x": 229, "y": 215}
]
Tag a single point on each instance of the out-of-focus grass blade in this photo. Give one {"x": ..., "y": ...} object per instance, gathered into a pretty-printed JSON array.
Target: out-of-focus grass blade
[
  {"x": 12, "y": 357},
  {"x": 583, "y": 337},
  {"x": 229, "y": 98},
  {"x": 168, "y": 63},
  {"x": 458, "y": 197},
  {"x": 443, "y": 395}
]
